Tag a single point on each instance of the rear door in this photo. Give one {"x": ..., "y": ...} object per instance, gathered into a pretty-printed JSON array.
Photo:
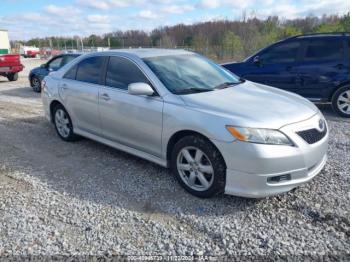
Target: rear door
[
  {"x": 323, "y": 66},
  {"x": 79, "y": 90},
  {"x": 135, "y": 121},
  {"x": 277, "y": 66}
]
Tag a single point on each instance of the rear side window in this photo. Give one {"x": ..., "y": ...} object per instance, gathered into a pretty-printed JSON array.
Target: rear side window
[
  {"x": 324, "y": 49},
  {"x": 71, "y": 73},
  {"x": 90, "y": 70},
  {"x": 121, "y": 72},
  {"x": 67, "y": 59},
  {"x": 281, "y": 53}
]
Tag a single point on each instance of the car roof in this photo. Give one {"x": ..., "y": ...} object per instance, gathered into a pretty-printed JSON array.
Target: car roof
[
  {"x": 71, "y": 54},
  {"x": 148, "y": 52},
  {"x": 318, "y": 35}
]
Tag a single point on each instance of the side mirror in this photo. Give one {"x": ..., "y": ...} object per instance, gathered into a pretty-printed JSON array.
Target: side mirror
[
  {"x": 257, "y": 61},
  {"x": 140, "y": 89}
]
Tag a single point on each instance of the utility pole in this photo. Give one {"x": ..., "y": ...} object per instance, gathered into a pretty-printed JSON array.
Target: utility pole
[{"x": 82, "y": 44}]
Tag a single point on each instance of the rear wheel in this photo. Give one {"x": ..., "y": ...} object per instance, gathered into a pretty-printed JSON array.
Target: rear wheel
[
  {"x": 341, "y": 101},
  {"x": 12, "y": 77},
  {"x": 199, "y": 166},
  {"x": 36, "y": 84},
  {"x": 63, "y": 124}
]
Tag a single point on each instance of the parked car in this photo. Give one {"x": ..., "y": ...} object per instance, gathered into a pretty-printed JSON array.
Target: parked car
[
  {"x": 37, "y": 74},
  {"x": 29, "y": 51},
  {"x": 180, "y": 110},
  {"x": 10, "y": 66},
  {"x": 315, "y": 66}
]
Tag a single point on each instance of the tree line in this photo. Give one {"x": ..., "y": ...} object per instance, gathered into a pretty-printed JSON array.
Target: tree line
[{"x": 221, "y": 40}]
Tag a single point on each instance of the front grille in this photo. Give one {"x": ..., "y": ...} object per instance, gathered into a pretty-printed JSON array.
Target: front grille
[{"x": 312, "y": 136}]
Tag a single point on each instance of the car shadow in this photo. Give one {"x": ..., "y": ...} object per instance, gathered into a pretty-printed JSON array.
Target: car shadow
[
  {"x": 329, "y": 113},
  {"x": 22, "y": 92},
  {"x": 90, "y": 171}
]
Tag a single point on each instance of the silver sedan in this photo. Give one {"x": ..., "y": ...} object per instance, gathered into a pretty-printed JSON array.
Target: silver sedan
[{"x": 217, "y": 133}]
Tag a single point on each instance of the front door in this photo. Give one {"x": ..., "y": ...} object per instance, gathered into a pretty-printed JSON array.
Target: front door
[
  {"x": 277, "y": 66},
  {"x": 131, "y": 120}
]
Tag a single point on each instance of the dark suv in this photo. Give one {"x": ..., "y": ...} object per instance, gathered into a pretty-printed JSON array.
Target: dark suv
[{"x": 315, "y": 66}]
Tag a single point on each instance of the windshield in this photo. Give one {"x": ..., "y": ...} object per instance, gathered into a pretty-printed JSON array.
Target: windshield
[{"x": 186, "y": 74}]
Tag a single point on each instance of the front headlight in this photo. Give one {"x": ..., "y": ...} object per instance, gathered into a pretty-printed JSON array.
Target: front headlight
[{"x": 259, "y": 135}]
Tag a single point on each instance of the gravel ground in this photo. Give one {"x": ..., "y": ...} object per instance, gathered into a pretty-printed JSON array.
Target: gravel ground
[{"x": 85, "y": 198}]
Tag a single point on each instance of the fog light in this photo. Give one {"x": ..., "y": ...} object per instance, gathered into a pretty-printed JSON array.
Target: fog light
[{"x": 278, "y": 179}]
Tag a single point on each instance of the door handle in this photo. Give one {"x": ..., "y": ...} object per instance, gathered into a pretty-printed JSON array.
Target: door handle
[
  {"x": 105, "y": 97},
  {"x": 289, "y": 68}
]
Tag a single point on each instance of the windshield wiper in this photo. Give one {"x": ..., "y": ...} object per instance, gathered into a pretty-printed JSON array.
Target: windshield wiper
[
  {"x": 228, "y": 84},
  {"x": 192, "y": 90}
]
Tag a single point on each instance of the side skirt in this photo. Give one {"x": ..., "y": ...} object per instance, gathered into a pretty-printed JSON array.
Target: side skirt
[{"x": 124, "y": 148}]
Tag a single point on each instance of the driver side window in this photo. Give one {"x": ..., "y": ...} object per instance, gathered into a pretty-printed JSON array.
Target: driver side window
[
  {"x": 55, "y": 64},
  {"x": 121, "y": 72},
  {"x": 282, "y": 53}
]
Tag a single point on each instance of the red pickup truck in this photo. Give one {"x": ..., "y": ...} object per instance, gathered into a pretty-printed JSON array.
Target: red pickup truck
[{"x": 10, "y": 65}]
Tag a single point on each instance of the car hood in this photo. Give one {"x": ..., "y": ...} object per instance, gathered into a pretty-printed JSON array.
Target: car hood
[
  {"x": 253, "y": 105},
  {"x": 35, "y": 69}
]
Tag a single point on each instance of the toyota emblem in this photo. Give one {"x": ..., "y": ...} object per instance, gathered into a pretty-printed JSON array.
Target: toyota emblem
[{"x": 321, "y": 125}]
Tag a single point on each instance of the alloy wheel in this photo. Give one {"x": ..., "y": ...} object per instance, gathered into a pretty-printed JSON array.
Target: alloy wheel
[
  {"x": 62, "y": 123},
  {"x": 36, "y": 84},
  {"x": 343, "y": 102},
  {"x": 195, "y": 168}
]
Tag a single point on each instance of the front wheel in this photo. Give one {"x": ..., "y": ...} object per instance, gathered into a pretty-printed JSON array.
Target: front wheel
[
  {"x": 198, "y": 166},
  {"x": 341, "y": 101},
  {"x": 36, "y": 84},
  {"x": 12, "y": 77},
  {"x": 63, "y": 124}
]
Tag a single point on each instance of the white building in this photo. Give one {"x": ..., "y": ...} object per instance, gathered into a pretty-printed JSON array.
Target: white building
[{"x": 4, "y": 42}]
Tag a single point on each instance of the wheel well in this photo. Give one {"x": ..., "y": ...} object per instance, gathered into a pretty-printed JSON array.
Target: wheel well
[
  {"x": 336, "y": 89},
  {"x": 180, "y": 134},
  {"x": 52, "y": 107}
]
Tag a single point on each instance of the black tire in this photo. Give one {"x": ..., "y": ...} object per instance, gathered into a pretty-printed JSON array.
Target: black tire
[
  {"x": 337, "y": 95},
  {"x": 35, "y": 83},
  {"x": 70, "y": 137},
  {"x": 12, "y": 77},
  {"x": 216, "y": 160}
]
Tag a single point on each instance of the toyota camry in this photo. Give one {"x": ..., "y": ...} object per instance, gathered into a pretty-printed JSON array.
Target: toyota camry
[{"x": 216, "y": 132}]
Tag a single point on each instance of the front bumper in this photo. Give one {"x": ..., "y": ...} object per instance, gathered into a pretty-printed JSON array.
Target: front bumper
[{"x": 258, "y": 170}]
